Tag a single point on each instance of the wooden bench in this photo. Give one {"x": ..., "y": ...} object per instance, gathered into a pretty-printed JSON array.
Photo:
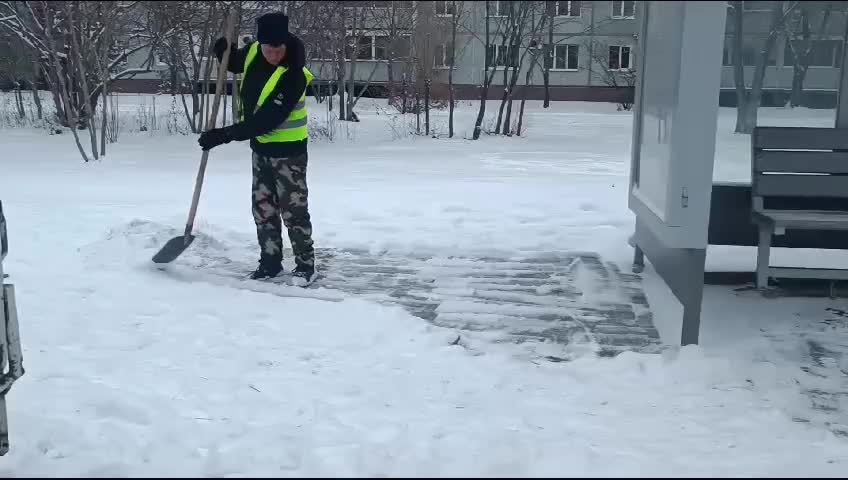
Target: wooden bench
[{"x": 798, "y": 162}]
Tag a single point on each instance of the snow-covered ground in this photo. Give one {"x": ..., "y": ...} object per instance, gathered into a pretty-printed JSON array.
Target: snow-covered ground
[{"x": 130, "y": 372}]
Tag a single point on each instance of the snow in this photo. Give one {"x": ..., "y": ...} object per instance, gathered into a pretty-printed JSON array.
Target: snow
[{"x": 131, "y": 372}]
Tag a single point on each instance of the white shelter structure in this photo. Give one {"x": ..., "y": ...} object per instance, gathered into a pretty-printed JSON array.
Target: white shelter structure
[{"x": 673, "y": 152}]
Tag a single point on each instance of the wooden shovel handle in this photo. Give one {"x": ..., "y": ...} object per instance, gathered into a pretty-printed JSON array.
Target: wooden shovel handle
[{"x": 219, "y": 91}]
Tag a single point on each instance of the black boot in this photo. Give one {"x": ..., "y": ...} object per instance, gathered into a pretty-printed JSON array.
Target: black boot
[
  {"x": 269, "y": 267},
  {"x": 303, "y": 276}
]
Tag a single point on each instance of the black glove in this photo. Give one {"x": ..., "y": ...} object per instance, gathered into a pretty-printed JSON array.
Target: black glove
[
  {"x": 212, "y": 138},
  {"x": 220, "y": 47}
]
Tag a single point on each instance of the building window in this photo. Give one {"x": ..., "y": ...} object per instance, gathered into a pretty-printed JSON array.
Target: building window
[
  {"x": 323, "y": 50},
  {"x": 750, "y": 54},
  {"x": 499, "y": 8},
  {"x": 365, "y": 48},
  {"x": 623, "y": 9},
  {"x": 442, "y": 55},
  {"x": 823, "y": 53},
  {"x": 619, "y": 57},
  {"x": 368, "y": 47},
  {"x": 443, "y": 8},
  {"x": 502, "y": 55},
  {"x": 381, "y": 48},
  {"x": 400, "y": 45},
  {"x": 757, "y": 6},
  {"x": 570, "y": 8},
  {"x": 565, "y": 57}
]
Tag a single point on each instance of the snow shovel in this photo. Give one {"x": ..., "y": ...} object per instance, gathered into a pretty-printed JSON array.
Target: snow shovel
[{"x": 177, "y": 245}]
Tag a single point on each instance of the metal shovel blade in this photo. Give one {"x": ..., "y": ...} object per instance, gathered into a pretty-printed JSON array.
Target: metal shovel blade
[{"x": 173, "y": 249}]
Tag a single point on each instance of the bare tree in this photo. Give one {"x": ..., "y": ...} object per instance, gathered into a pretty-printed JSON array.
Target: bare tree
[
  {"x": 456, "y": 14},
  {"x": 748, "y": 101},
  {"x": 534, "y": 53},
  {"x": 509, "y": 32},
  {"x": 26, "y": 20},
  {"x": 612, "y": 65},
  {"x": 801, "y": 38},
  {"x": 70, "y": 109},
  {"x": 394, "y": 22},
  {"x": 560, "y": 14},
  {"x": 76, "y": 30},
  {"x": 490, "y": 61},
  {"x": 186, "y": 52},
  {"x": 534, "y": 18},
  {"x": 104, "y": 95}
]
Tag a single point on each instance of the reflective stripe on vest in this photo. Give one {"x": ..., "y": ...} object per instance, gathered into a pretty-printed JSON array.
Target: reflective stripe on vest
[{"x": 294, "y": 128}]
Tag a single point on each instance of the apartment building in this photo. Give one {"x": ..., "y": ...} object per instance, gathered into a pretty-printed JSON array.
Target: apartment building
[{"x": 592, "y": 51}]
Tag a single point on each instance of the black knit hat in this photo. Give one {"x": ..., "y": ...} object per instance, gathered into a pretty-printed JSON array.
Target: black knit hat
[{"x": 272, "y": 29}]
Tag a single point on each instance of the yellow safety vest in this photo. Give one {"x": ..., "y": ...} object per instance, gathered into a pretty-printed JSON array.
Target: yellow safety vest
[{"x": 294, "y": 128}]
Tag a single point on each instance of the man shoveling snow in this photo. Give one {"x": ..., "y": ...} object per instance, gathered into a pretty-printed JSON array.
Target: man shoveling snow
[{"x": 273, "y": 117}]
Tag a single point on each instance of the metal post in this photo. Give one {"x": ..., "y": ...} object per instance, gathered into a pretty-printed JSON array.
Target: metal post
[
  {"x": 4, "y": 422},
  {"x": 10, "y": 342},
  {"x": 842, "y": 94}
]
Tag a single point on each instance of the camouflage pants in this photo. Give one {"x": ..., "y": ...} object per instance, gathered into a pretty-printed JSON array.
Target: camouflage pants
[{"x": 280, "y": 193}]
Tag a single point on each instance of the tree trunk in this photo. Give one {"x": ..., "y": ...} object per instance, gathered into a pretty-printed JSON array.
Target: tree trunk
[
  {"x": 351, "y": 91},
  {"x": 549, "y": 60},
  {"x": 450, "y": 105},
  {"x": 75, "y": 46},
  {"x": 189, "y": 117},
  {"x": 484, "y": 90},
  {"x": 34, "y": 86},
  {"x": 235, "y": 101},
  {"x": 746, "y": 118},
  {"x": 527, "y": 82},
  {"x": 19, "y": 100},
  {"x": 427, "y": 107},
  {"x": 503, "y": 101},
  {"x": 417, "y": 110},
  {"x": 507, "y": 43},
  {"x": 518, "y": 14},
  {"x": 39, "y": 109},
  {"x": 205, "y": 45},
  {"x": 390, "y": 78},
  {"x": 351, "y": 83},
  {"x": 204, "y": 102},
  {"x": 738, "y": 68},
  {"x": 341, "y": 87},
  {"x": 450, "y": 72},
  {"x": 104, "y": 93},
  {"x": 802, "y": 55},
  {"x": 340, "y": 68},
  {"x": 63, "y": 87},
  {"x": 507, "y": 126},
  {"x": 507, "y": 130},
  {"x": 58, "y": 102},
  {"x": 404, "y": 88},
  {"x": 798, "y": 75}
]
